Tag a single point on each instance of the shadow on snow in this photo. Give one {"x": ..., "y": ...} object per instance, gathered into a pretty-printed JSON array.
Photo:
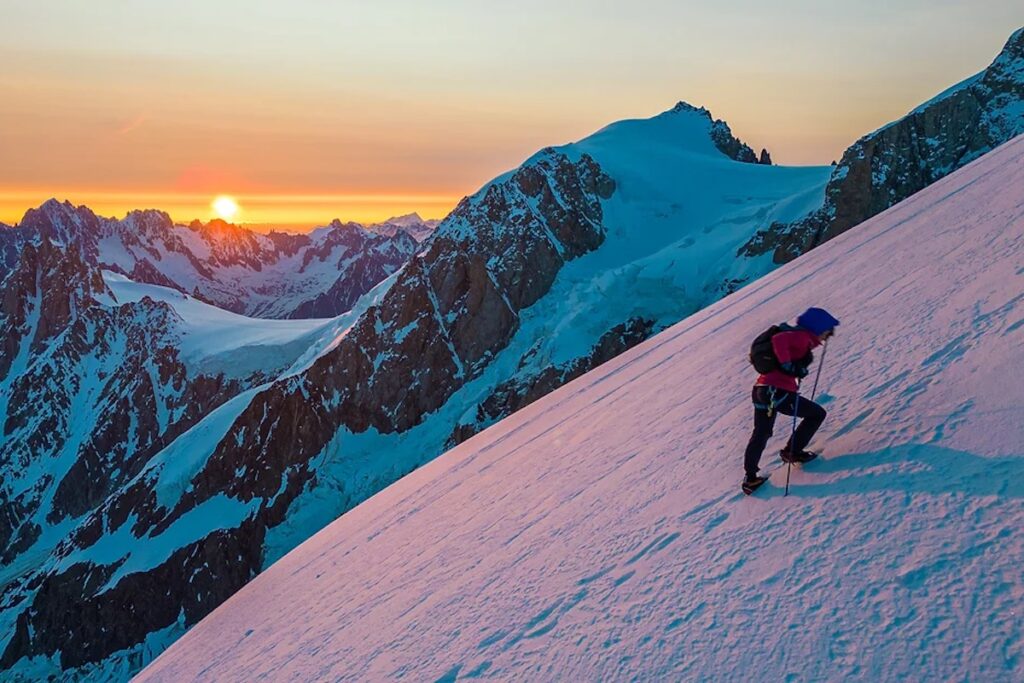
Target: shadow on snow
[{"x": 912, "y": 468}]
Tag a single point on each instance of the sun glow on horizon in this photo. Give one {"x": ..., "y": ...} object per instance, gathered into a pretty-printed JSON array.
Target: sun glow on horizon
[
  {"x": 287, "y": 211},
  {"x": 225, "y": 207}
]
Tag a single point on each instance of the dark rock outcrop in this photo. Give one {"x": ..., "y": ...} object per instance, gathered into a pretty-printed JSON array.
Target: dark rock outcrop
[
  {"x": 729, "y": 145},
  {"x": 904, "y": 157},
  {"x": 364, "y": 259}
]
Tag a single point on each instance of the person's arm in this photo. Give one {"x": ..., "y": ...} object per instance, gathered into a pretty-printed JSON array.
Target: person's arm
[{"x": 785, "y": 345}]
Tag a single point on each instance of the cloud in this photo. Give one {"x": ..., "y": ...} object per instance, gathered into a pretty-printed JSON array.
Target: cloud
[{"x": 131, "y": 124}]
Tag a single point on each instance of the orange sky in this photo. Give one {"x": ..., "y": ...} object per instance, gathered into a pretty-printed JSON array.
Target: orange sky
[
  {"x": 260, "y": 212},
  {"x": 308, "y": 111}
]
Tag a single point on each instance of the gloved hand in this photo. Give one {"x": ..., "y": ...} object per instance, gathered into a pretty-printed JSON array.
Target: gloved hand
[{"x": 794, "y": 370}]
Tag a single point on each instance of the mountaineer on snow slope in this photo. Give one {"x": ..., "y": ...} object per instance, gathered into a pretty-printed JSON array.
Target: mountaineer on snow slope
[{"x": 783, "y": 355}]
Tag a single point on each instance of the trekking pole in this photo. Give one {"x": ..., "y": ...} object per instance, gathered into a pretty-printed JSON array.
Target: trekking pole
[
  {"x": 821, "y": 364},
  {"x": 792, "y": 435},
  {"x": 796, "y": 404}
]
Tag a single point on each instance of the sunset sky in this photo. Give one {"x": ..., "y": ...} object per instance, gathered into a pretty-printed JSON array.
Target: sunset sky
[{"x": 307, "y": 111}]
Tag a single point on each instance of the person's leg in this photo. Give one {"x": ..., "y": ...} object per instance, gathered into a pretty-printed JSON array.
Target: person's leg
[
  {"x": 764, "y": 421},
  {"x": 811, "y": 414}
]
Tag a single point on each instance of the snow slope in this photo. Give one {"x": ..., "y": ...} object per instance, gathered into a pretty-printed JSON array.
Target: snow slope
[
  {"x": 236, "y": 344},
  {"x": 599, "y": 533}
]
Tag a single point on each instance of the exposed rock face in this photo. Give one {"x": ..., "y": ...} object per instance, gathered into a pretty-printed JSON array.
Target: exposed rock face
[
  {"x": 143, "y": 400},
  {"x": 273, "y": 276},
  {"x": 89, "y": 391},
  {"x": 721, "y": 135},
  {"x": 723, "y": 138},
  {"x": 363, "y": 258},
  {"x": 11, "y": 241},
  {"x": 889, "y": 165}
]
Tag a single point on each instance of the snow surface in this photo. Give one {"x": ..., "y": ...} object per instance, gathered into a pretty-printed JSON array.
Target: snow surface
[
  {"x": 600, "y": 534},
  {"x": 236, "y": 343}
]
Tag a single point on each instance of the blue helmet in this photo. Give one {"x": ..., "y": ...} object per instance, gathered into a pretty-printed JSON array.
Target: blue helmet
[{"x": 817, "y": 320}]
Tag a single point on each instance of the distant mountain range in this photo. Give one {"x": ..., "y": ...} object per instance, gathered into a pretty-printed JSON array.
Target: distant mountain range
[
  {"x": 158, "y": 453},
  {"x": 275, "y": 275}
]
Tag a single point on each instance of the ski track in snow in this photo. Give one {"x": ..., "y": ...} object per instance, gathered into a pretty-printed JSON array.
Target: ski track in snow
[{"x": 599, "y": 534}]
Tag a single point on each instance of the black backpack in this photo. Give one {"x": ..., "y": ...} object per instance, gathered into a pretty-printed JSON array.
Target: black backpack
[{"x": 762, "y": 355}]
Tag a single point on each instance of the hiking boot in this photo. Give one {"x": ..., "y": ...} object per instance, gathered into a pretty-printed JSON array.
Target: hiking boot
[
  {"x": 798, "y": 457},
  {"x": 751, "y": 484}
]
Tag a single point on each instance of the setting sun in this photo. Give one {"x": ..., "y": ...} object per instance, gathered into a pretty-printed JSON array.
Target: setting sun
[{"x": 225, "y": 206}]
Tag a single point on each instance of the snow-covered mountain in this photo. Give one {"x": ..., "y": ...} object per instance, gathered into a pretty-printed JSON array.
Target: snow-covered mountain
[
  {"x": 276, "y": 275},
  {"x": 892, "y": 163},
  {"x": 98, "y": 374},
  {"x": 411, "y": 223},
  {"x": 600, "y": 533}
]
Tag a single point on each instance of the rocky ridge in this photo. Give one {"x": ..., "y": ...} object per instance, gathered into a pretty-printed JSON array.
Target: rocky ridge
[{"x": 887, "y": 166}]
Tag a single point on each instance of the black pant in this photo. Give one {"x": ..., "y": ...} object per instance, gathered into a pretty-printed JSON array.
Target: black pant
[{"x": 769, "y": 401}]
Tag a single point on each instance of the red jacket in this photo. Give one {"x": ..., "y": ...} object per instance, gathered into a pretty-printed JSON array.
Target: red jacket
[{"x": 789, "y": 346}]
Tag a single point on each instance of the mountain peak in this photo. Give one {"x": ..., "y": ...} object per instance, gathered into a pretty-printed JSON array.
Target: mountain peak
[
  {"x": 53, "y": 208},
  {"x": 337, "y": 224},
  {"x": 54, "y": 204},
  {"x": 682, "y": 107},
  {"x": 684, "y": 126},
  {"x": 404, "y": 221},
  {"x": 721, "y": 134},
  {"x": 149, "y": 215},
  {"x": 1008, "y": 67},
  {"x": 60, "y": 222}
]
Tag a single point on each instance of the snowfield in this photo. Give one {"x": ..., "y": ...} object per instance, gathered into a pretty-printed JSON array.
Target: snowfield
[
  {"x": 215, "y": 339},
  {"x": 600, "y": 534}
]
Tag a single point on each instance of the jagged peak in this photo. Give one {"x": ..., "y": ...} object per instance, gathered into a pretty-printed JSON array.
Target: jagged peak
[
  {"x": 1008, "y": 66},
  {"x": 698, "y": 122},
  {"x": 731, "y": 146},
  {"x": 336, "y": 226},
  {"x": 217, "y": 230},
  {"x": 404, "y": 220},
  {"x": 62, "y": 223},
  {"x": 54, "y": 208},
  {"x": 682, "y": 107},
  {"x": 148, "y": 215}
]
